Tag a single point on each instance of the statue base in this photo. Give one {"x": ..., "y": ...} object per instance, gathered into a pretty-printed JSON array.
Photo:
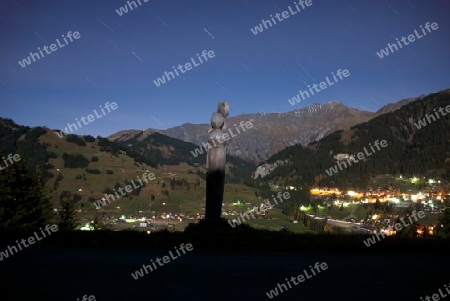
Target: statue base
[{"x": 211, "y": 226}]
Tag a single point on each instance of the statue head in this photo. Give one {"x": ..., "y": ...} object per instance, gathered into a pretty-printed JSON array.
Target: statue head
[
  {"x": 217, "y": 121},
  {"x": 223, "y": 108}
]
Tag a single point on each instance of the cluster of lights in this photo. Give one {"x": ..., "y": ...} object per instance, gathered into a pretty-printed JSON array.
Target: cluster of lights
[
  {"x": 303, "y": 208},
  {"x": 87, "y": 227}
]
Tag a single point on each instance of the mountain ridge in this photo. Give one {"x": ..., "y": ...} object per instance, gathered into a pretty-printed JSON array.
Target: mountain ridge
[{"x": 275, "y": 130}]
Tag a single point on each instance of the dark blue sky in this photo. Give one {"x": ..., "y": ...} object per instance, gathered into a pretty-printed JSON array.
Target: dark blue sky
[{"x": 117, "y": 58}]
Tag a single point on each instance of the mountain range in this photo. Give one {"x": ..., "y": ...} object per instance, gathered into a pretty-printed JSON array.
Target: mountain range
[{"x": 271, "y": 132}]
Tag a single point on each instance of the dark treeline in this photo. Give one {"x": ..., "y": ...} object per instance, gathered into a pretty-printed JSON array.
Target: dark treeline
[
  {"x": 75, "y": 161},
  {"x": 23, "y": 140}
]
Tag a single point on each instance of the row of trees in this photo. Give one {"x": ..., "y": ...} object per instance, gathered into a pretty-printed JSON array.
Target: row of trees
[{"x": 75, "y": 161}]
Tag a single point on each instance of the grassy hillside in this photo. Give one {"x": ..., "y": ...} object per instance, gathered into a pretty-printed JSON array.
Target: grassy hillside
[{"x": 117, "y": 169}]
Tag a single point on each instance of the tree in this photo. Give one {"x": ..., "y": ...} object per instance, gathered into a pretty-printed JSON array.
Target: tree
[
  {"x": 67, "y": 220},
  {"x": 89, "y": 138},
  {"x": 57, "y": 180},
  {"x": 76, "y": 197},
  {"x": 24, "y": 200}
]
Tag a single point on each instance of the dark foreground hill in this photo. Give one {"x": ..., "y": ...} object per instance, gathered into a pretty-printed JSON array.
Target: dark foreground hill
[{"x": 240, "y": 265}]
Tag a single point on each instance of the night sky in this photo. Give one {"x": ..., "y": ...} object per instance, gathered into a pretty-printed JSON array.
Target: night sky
[{"x": 117, "y": 58}]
